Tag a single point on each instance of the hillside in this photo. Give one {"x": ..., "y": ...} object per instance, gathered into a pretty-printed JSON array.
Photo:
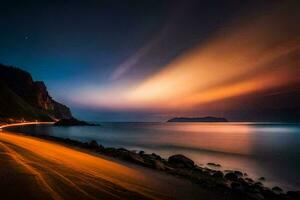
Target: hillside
[{"x": 22, "y": 98}]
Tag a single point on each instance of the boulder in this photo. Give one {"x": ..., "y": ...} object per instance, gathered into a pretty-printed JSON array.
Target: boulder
[
  {"x": 213, "y": 164},
  {"x": 181, "y": 161},
  {"x": 110, "y": 151},
  {"x": 256, "y": 196},
  {"x": 244, "y": 183},
  {"x": 136, "y": 159},
  {"x": 277, "y": 190},
  {"x": 155, "y": 156},
  {"x": 218, "y": 175},
  {"x": 294, "y": 194},
  {"x": 249, "y": 180},
  {"x": 93, "y": 145},
  {"x": 237, "y": 187},
  {"x": 268, "y": 194},
  {"x": 130, "y": 156},
  {"x": 231, "y": 176},
  {"x": 142, "y": 152},
  {"x": 159, "y": 165},
  {"x": 238, "y": 173}
]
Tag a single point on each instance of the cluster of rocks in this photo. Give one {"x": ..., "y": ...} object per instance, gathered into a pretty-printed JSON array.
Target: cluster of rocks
[{"x": 230, "y": 184}]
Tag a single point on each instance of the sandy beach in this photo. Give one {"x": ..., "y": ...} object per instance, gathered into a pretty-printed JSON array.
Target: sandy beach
[{"x": 33, "y": 168}]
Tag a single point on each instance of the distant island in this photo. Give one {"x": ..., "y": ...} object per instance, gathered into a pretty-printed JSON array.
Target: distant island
[{"x": 198, "y": 119}]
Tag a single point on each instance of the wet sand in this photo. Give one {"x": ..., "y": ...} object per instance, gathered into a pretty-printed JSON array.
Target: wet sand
[{"x": 32, "y": 168}]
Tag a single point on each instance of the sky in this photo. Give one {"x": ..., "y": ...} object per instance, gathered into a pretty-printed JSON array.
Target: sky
[{"x": 153, "y": 60}]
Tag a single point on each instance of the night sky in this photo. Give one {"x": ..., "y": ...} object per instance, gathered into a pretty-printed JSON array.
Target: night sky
[{"x": 151, "y": 60}]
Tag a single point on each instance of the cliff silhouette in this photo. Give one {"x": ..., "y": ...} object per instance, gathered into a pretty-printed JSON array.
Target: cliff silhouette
[{"x": 22, "y": 98}]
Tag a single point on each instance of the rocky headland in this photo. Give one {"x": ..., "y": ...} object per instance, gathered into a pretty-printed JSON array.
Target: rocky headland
[{"x": 23, "y": 99}]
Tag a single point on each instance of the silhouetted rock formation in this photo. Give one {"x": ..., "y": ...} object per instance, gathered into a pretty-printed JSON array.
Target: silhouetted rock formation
[
  {"x": 181, "y": 161},
  {"x": 61, "y": 111},
  {"x": 197, "y": 119},
  {"x": 22, "y": 98}
]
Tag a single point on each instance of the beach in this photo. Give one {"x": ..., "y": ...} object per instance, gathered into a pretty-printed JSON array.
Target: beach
[
  {"x": 33, "y": 168},
  {"x": 37, "y": 166},
  {"x": 253, "y": 148}
]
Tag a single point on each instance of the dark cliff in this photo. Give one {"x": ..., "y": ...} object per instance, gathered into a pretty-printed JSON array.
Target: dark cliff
[{"x": 23, "y": 98}]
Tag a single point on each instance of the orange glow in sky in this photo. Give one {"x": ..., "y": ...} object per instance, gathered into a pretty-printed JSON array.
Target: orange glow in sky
[{"x": 253, "y": 54}]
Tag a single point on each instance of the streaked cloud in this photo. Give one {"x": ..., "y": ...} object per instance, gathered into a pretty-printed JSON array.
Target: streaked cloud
[
  {"x": 246, "y": 57},
  {"x": 254, "y": 54}
]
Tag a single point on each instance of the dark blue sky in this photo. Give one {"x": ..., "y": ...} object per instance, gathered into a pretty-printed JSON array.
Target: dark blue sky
[
  {"x": 74, "y": 43},
  {"x": 59, "y": 39}
]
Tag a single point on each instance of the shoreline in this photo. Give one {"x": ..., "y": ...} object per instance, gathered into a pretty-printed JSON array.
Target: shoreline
[
  {"x": 233, "y": 184},
  {"x": 34, "y": 168},
  {"x": 3, "y": 126}
]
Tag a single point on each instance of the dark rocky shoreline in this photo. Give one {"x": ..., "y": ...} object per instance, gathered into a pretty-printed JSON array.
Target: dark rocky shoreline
[{"x": 230, "y": 184}]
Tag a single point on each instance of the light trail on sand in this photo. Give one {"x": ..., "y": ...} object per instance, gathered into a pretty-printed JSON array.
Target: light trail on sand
[{"x": 67, "y": 173}]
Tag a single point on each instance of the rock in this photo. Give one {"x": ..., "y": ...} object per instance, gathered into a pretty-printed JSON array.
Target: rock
[
  {"x": 159, "y": 165},
  {"x": 249, "y": 180},
  {"x": 150, "y": 158},
  {"x": 110, "y": 151},
  {"x": 258, "y": 186},
  {"x": 131, "y": 157},
  {"x": 294, "y": 194},
  {"x": 61, "y": 111},
  {"x": 181, "y": 161},
  {"x": 262, "y": 178},
  {"x": 243, "y": 182},
  {"x": 222, "y": 187},
  {"x": 256, "y": 196},
  {"x": 277, "y": 190},
  {"x": 231, "y": 176},
  {"x": 142, "y": 152},
  {"x": 237, "y": 187},
  {"x": 238, "y": 173},
  {"x": 198, "y": 169},
  {"x": 218, "y": 175},
  {"x": 157, "y": 157},
  {"x": 267, "y": 193},
  {"x": 214, "y": 164},
  {"x": 136, "y": 158},
  {"x": 93, "y": 145}
]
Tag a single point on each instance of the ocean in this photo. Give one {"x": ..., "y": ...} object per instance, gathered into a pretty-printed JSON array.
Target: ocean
[{"x": 271, "y": 150}]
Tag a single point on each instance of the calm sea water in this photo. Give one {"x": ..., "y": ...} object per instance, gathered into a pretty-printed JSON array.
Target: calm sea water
[{"x": 271, "y": 150}]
